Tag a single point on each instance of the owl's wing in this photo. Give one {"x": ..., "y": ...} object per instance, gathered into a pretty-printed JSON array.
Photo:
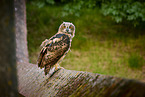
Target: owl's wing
[
  {"x": 53, "y": 51},
  {"x": 44, "y": 46}
]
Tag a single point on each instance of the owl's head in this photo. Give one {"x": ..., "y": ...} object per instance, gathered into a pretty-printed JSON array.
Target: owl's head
[{"x": 68, "y": 28}]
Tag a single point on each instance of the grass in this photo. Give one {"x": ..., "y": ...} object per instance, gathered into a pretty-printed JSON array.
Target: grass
[
  {"x": 135, "y": 61},
  {"x": 100, "y": 45}
]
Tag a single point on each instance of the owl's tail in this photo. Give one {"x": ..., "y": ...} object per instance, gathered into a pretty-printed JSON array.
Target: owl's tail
[
  {"x": 41, "y": 58},
  {"x": 47, "y": 69}
]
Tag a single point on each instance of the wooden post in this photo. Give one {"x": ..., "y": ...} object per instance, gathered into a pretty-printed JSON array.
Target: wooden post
[
  {"x": 21, "y": 31},
  {"x": 8, "y": 78}
]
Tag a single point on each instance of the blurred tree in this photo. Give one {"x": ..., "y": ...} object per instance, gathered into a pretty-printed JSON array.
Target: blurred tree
[
  {"x": 130, "y": 10},
  {"x": 8, "y": 77},
  {"x": 119, "y": 10}
]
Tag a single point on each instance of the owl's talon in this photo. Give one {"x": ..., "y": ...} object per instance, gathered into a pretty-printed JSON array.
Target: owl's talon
[{"x": 57, "y": 67}]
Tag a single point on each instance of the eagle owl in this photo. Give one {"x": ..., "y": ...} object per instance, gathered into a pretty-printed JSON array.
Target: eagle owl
[{"x": 54, "y": 49}]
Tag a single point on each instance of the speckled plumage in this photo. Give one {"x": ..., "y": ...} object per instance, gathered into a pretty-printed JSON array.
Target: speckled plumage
[{"x": 55, "y": 49}]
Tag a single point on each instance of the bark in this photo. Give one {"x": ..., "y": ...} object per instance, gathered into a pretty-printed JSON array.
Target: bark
[
  {"x": 64, "y": 83},
  {"x": 8, "y": 78}
]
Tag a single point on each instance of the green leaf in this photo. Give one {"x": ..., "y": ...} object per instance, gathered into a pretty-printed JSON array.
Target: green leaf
[{"x": 50, "y": 1}]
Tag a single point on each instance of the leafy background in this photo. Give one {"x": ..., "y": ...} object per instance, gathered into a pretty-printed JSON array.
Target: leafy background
[{"x": 110, "y": 34}]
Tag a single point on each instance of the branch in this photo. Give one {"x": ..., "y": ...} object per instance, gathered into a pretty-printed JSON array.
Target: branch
[{"x": 33, "y": 83}]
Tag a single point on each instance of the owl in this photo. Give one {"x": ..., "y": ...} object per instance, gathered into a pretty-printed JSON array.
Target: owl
[{"x": 54, "y": 49}]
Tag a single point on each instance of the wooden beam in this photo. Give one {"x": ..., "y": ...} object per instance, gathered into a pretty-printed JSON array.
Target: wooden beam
[{"x": 64, "y": 83}]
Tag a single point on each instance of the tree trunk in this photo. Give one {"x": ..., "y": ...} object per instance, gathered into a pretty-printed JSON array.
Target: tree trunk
[{"x": 8, "y": 78}]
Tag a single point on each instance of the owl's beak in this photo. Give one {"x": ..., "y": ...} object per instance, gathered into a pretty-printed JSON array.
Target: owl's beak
[{"x": 67, "y": 29}]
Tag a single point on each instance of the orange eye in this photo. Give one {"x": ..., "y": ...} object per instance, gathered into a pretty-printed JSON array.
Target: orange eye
[
  {"x": 70, "y": 26},
  {"x": 64, "y": 26}
]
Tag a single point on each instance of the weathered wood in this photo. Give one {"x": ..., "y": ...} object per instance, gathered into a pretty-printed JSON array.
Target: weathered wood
[
  {"x": 21, "y": 32},
  {"x": 8, "y": 78},
  {"x": 64, "y": 83}
]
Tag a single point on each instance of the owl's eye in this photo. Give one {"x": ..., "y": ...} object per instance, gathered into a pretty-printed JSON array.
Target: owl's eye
[
  {"x": 70, "y": 26},
  {"x": 64, "y": 26}
]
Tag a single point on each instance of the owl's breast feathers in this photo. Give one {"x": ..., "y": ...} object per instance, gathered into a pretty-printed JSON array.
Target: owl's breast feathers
[{"x": 53, "y": 50}]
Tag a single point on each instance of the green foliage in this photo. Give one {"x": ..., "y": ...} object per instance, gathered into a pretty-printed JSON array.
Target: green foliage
[
  {"x": 75, "y": 6},
  {"x": 135, "y": 61},
  {"x": 120, "y": 10},
  {"x": 129, "y": 10},
  {"x": 70, "y": 9},
  {"x": 42, "y": 3}
]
